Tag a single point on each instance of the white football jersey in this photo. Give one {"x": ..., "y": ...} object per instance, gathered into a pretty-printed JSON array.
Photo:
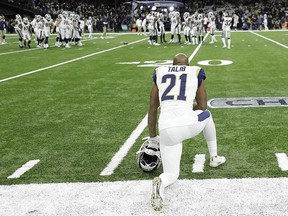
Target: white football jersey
[
  {"x": 187, "y": 21},
  {"x": 173, "y": 20},
  {"x": 144, "y": 22},
  {"x": 138, "y": 22},
  {"x": 18, "y": 23},
  {"x": 151, "y": 22},
  {"x": 89, "y": 22},
  {"x": 212, "y": 23},
  {"x": 26, "y": 28},
  {"x": 227, "y": 23},
  {"x": 63, "y": 23},
  {"x": 47, "y": 24},
  {"x": 40, "y": 24},
  {"x": 177, "y": 86},
  {"x": 235, "y": 19}
]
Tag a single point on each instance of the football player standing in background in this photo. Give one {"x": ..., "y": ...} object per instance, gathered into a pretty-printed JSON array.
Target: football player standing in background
[
  {"x": 187, "y": 27},
  {"x": 162, "y": 28},
  {"x": 144, "y": 25},
  {"x": 226, "y": 30},
  {"x": 89, "y": 24},
  {"x": 174, "y": 89},
  {"x": 40, "y": 31},
  {"x": 35, "y": 28},
  {"x": 194, "y": 29},
  {"x": 17, "y": 26},
  {"x": 26, "y": 32},
  {"x": 105, "y": 24},
  {"x": 2, "y": 29},
  {"x": 152, "y": 28},
  {"x": 212, "y": 26},
  {"x": 178, "y": 26},
  {"x": 265, "y": 22},
  {"x": 235, "y": 21},
  {"x": 139, "y": 25},
  {"x": 48, "y": 22},
  {"x": 200, "y": 28},
  {"x": 56, "y": 29},
  {"x": 173, "y": 21}
]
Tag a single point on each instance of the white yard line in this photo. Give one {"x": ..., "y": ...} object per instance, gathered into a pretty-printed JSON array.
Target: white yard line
[
  {"x": 23, "y": 169},
  {"x": 282, "y": 161},
  {"x": 69, "y": 61},
  {"x": 197, "y": 49},
  {"x": 118, "y": 157},
  {"x": 198, "y": 165},
  {"x": 273, "y": 41}
]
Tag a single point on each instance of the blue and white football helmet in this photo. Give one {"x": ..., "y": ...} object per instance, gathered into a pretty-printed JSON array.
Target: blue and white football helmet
[{"x": 148, "y": 156}]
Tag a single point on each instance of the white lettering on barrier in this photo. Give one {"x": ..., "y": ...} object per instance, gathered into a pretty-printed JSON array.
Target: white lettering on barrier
[{"x": 248, "y": 102}]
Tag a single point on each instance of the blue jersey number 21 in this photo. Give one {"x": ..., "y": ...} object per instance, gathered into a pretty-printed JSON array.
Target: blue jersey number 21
[{"x": 172, "y": 79}]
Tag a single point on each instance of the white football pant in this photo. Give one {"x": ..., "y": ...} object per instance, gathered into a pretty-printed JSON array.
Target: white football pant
[{"x": 171, "y": 146}]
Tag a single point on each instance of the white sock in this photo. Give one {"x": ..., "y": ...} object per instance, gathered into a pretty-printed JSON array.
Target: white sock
[
  {"x": 224, "y": 42},
  {"x": 210, "y": 137},
  {"x": 212, "y": 148}
]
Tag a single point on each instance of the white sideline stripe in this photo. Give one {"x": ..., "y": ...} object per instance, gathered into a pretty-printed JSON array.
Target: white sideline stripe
[
  {"x": 209, "y": 197},
  {"x": 269, "y": 39},
  {"x": 27, "y": 166},
  {"x": 69, "y": 61},
  {"x": 198, "y": 165},
  {"x": 118, "y": 157},
  {"x": 282, "y": 161},
  {"x": 19, "y": 51},
  {"x": 197, "y": 49}
]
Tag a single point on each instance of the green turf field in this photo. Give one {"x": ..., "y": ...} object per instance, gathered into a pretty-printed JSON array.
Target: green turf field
[{"x": 74, "y": 108}]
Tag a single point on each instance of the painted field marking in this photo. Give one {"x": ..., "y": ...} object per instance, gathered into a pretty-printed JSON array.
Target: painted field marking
[
  {"x": 118, "y": 157},
  {"x": 197, "y": 48},
  {"x": 129, "y": 63},
  {"x": 198, "y": 165},
  {"x": 20, "y": 51},
  {"x": 27, "y": 166},
  {"x": 70, "y": 61},
  {"x": 269, "y": 39},
  {"x": 244, "y": 196},
  {"x": 282, "y": 161}
]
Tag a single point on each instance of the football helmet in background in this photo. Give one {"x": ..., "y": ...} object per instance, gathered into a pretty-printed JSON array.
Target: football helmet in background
[
  {"x": 48, "y": 17},
  {"x": 148, "y": 156},
  {"x": 25, "y": 20}
]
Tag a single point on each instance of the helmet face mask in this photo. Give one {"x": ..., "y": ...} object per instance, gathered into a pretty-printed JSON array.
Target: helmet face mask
[{"x": 148, "y": 156}]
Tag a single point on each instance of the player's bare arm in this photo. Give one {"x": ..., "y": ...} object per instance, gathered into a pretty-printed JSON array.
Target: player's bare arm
[
  {"x": 152, "y": 113},
  {"x": 201, "y": 98}
]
